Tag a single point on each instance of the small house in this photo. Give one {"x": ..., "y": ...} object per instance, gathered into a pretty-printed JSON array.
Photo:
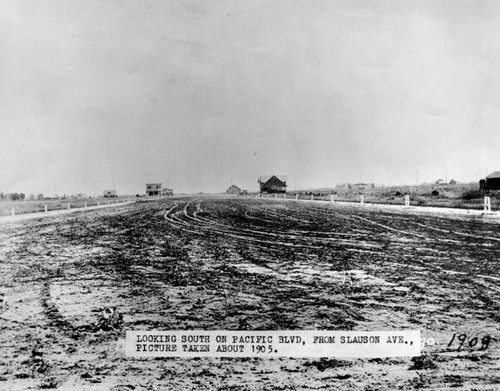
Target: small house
[
  {"x": 235, "y": 190},
  {"x": 167, "y": 192},
  {"x": 109, "y": 193}
]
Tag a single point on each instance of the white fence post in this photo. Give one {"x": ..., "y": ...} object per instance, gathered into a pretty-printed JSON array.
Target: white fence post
[
  {"x": 46, "y": 208},
  {"x": 275, "y": 195},
  {"x": 407, "y": 201},
  {"x": 297, "y": 196},
  {"x": 331, "y": 198},
  {"x": 98, "y": 203},
  {"x": 69, "y": 206},
  {"x": 487, "y": 204},
  {"x": 312, "y": 197},
  {"x": 362, "y": 199},
  {"x": 85, "y": 204},
  {"x": 13, "y": 211}
]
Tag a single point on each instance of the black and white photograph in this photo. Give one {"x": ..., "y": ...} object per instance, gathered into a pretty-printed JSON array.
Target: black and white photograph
[{"x": 249, "y": 195}]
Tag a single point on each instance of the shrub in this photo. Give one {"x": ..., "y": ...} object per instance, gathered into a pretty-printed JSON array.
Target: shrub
[
  {"x": 472, "y": 194},
  {"x": 108, "y": 319}
]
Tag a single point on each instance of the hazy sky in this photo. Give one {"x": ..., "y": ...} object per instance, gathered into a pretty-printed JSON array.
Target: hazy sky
[{"x": 96, "y": 94}]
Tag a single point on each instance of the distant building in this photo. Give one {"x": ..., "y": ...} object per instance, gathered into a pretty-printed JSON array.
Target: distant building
[
  {"x": 233, "y": 189},
  {"x": 491, "y": 182},
  {"x": 355, "y": 186},
  {"x": 109, "y": 193},
  {"x": 153, "y": 189},
  {"x": 272, "y": 183},
  {"x": 362, "y": 186},
  {"x": 167, "y": 192}
]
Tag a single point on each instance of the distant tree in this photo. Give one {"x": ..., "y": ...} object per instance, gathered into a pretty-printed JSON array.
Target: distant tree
[
  {"x": 453, "y": 182},
  {"x": 14, "y": 196},
  {"x": 2, "y": 196},
  {"x": 32, "y": 197},
  {"x": 22, "y": 196},
  {"x": 39, "y": 197}
]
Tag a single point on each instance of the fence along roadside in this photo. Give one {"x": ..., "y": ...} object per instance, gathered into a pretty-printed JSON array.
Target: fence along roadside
[{"x": 41, "y": 209}]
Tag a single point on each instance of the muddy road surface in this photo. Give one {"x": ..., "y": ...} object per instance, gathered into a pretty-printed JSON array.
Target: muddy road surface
[{"x": 72, "y": 285}]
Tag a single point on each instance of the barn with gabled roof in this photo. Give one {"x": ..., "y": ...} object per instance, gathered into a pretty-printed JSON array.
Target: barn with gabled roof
[{"x": 272, "y": 184}]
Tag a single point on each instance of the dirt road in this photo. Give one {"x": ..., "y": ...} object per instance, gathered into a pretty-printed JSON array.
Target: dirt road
[{"x": 249, "y": 264}]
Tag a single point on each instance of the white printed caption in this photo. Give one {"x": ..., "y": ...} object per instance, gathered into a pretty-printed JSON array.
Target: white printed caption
[{"x": 273, "y": 343}]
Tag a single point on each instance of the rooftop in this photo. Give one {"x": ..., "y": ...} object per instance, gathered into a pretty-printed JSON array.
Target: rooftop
[
  {"x": 494, "y": 174},
  {"x": 265, "y": 178}
]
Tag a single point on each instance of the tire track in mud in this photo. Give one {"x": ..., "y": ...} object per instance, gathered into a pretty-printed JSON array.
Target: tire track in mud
[
  {"x": 234, "y": 250},
  {"x": 302, "y": 232},
  {"x": 446, "y": 255},
  {"x": 53, "y": 315},
  {"x": 442, "y": 263},
  {"x": 298, "y": 235},
  {"x": 450, "y": 232},
  {"x": 233, "y": 232},
  {"x": 247, "y": 256},
  {"x": 389, "y": 228},
  {"x": 295, "y": 238}
]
